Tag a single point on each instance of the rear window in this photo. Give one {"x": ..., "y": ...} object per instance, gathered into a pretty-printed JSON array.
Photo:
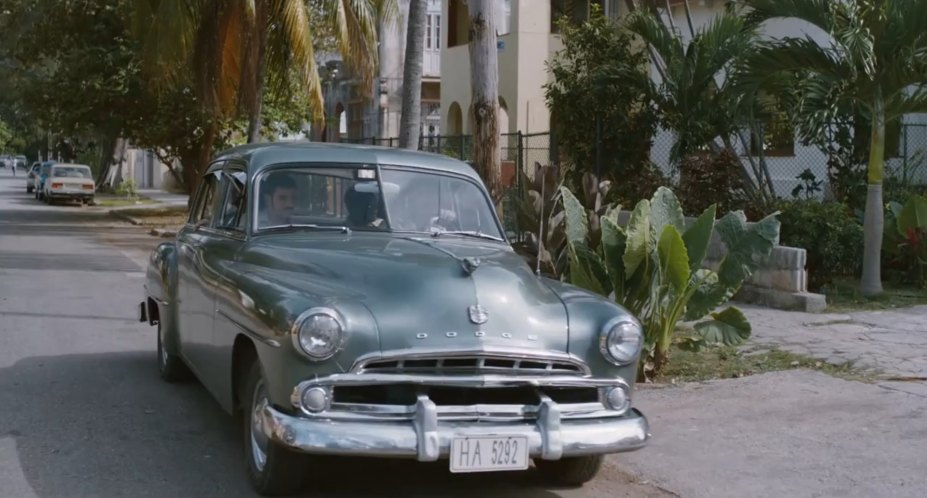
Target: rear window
[{"x": 71, "y": 172}]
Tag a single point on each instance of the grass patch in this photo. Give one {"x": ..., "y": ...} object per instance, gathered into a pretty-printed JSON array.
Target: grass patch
[
  {"x": 726, "y": 362},
  {"x": 844, "y": 295},
  {"x": 121, "y": 201}
]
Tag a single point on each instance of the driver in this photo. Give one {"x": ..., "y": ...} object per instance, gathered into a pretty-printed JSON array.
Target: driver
[{"x": 278, "y": 193}]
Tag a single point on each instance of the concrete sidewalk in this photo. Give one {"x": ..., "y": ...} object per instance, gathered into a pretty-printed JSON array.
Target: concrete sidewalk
[
  {"x": 794, "y": 433},
  {"x": 893, "y": 342}
]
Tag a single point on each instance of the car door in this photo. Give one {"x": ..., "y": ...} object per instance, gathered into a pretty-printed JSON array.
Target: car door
[
  {"x": 221, "y": 247},
  {"x": 196, "y": 307}
]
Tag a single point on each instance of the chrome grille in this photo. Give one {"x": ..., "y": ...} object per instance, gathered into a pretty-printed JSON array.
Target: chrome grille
[{"x": 472, "y": 364}]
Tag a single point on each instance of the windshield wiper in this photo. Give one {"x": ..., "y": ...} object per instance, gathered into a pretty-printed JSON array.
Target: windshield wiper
[
  {"x": 306, "y": 226},
  {"x": 466, "y": 233}
]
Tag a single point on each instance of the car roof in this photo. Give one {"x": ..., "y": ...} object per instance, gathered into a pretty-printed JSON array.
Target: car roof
[
  {"x": 260, "y": 156},
  {"x": 61, "y": 165}
]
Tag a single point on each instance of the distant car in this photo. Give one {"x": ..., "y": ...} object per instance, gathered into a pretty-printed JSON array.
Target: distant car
[
  {"x": 21, "y": 162},
  {"x": 38, "y": 184},
  {"x": 364, "y": 301},
  {"x": 3, "y": 160},
  {"x": 30, "y": 178},
  {"x": 69, "y": 182}
]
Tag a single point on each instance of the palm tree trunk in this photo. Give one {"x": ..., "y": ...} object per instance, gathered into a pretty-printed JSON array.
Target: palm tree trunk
[
  {"x": 484, "y": 84},
  {"x": 411, "y": 119},
  {"x": 255, "y": 107},
  {"x": 874, "y": 218}
]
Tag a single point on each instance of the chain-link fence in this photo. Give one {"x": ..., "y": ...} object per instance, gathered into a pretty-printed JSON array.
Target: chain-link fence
[{"x": 784, "y": 160}]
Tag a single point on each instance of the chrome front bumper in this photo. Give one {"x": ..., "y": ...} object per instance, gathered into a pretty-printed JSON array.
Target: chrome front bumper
[{"x": 426, "y": 437}]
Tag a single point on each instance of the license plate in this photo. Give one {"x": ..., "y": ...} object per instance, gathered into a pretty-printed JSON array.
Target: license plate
[{"x": 489, "y": 453}]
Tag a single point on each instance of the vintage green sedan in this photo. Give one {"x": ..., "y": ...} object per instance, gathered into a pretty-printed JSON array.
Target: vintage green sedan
[{"x": 354, "y": 300}]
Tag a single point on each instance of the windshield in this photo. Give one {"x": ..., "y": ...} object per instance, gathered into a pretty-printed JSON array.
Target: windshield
[
  {"x": 355, "y": 198},
  {"x": 71, "y": 172}
]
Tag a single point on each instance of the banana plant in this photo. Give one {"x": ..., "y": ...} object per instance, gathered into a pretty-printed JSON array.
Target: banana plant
[
  {"x": 542, "y": 200},
  {"x": 654, "y": 267}
]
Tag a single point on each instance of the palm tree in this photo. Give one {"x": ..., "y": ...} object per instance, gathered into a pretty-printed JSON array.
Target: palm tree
[
  {"x": 231, "y": 46},
  {"x": 411, "y": 117},
  {"x": 694, "y": 104},
  {"x": 875, "y": 63}
]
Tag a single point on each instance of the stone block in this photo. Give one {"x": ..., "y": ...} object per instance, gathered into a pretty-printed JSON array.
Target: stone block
[
  {"x": 799, "y": 301},
  {"x": 788, "y": 280}
]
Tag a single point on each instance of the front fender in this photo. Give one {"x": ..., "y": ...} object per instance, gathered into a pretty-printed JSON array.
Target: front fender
[
  {"x": 161, "y": 288},
  {"x": 263, "y": 304},
  {"x": 588, "y": 313}
]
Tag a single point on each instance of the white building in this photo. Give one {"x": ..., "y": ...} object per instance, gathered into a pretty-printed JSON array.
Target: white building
[
  {"x": 528, "y": 39},
  {"x": 354, "y": 115}
]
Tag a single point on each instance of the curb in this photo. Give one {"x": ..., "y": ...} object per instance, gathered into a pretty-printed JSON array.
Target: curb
[
  {"x": 124, "y": 217},
  {"x": 164, "y": 234}
]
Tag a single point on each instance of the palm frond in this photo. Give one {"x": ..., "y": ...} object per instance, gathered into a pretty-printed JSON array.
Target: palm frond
[
  {"x": 912, "y": 101},
  {"x": 387, "y": 11},
  {"x": 649, "y": 27},
  {"x": 292, "y": 44},
  {"x": 167, "y": 30},
  {"x": 354, "y": 25}
]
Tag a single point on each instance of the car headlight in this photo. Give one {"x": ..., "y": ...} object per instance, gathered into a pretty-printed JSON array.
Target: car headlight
[
  {"x": 318, "y": 333},
  {"x": 620, "y": 341}
]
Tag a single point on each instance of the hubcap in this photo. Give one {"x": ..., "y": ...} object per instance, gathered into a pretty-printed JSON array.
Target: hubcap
[{"x": 258, "y": 439}]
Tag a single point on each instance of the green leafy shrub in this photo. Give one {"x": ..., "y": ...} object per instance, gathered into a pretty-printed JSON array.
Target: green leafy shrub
[
  {"x": 653, "y": 267},
  {"x": 127, "y": 188},
  {"x": 906, "y": 240},
  {"x": 707, "y": 178},
  {"x": 831, "y": 235}
]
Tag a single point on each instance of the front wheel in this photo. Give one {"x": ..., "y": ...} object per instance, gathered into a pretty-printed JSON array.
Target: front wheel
[
  {"x": 571, "y": 471},
  {"x": 273, "y": 469},
  {"x": 28, "y": 190}
]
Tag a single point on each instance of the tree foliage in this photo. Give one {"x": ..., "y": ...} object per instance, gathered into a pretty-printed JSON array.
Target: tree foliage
[
  {"x": 874, "y": 65},
  {"x": 601, "y": 92}
]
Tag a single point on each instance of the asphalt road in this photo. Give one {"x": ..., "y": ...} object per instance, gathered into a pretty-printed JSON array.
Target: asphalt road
[{"x": 84, "y": 414}]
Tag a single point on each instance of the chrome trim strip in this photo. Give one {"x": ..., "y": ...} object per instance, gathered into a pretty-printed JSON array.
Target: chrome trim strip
[
  {"x": 486, "y": 351},
  {"x": 492, "y": 380}
]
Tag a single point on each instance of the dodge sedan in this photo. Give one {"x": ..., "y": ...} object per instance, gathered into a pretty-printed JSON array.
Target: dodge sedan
[{"x": 364, "y": 301}]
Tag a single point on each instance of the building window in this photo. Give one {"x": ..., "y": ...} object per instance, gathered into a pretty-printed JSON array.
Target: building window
[
  {"x": 437, "y": 25},
  {"x": 458, "y": 23},
  {"x": 428, "y": 32}
]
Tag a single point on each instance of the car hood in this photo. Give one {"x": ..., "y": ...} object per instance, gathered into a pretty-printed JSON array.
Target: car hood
[{"x": 420, "y": 290}]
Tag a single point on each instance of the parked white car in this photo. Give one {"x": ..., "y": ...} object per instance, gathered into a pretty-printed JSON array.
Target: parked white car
[{"x": 70, "y": 182}]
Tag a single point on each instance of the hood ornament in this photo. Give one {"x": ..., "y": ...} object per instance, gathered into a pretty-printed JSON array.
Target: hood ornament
[
  {"x": 470, "y": 265},
  {"x": 478, "y": 314}
]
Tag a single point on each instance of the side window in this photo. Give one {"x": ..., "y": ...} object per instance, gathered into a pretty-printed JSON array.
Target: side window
[
  {"x": 234, "y": 204},
  {"x": 206, "y": 200}
]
